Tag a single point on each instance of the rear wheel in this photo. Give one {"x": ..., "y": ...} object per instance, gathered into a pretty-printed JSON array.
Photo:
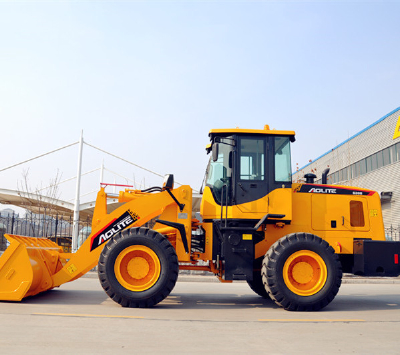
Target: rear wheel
[
  {"x": 138, "y": 268},
  {"x": 301, "y": 272}
]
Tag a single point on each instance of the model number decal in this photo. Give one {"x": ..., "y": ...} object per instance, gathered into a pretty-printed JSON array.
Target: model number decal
[{"x": 324, "y": 189}]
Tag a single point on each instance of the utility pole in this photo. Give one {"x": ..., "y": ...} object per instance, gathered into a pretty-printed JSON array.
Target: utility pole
[{"x": 75, "y": 227}]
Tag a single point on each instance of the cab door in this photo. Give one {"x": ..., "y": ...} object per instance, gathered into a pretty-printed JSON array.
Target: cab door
[
  {"x": 251, "y": 177},
  {"x": 264, "y": 165}
]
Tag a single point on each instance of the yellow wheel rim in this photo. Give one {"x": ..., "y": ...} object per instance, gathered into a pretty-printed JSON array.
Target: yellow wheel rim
[
  {"x": 305, "y": 273},
  {"x": 137, "y": 268}
]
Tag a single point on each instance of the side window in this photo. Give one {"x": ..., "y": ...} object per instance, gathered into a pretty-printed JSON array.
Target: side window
[
  {"x": 356, "y": 214},
  {"x": 215, "y": 170},
  {"x": 386, "y": 156},
  {"x": 363, "y": 167},
  {"x": 380, "y": 159},
  {"x": 369, "y": 164},
  {"x": 345, "y": 174},
  {"x": 283, "y": 164},
  {"x": 252, "y": 159},
  {"x": 397, "y": 151}
]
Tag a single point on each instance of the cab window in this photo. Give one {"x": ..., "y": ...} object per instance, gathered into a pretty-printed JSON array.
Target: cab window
[
  {"x": 252, "y": 159},
  {"x": 219, "y": 173},
  {"x": 283, "y": 164}
]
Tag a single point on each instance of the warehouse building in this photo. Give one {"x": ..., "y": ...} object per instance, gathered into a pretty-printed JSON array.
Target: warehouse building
[{"x": 370, "y": 159}]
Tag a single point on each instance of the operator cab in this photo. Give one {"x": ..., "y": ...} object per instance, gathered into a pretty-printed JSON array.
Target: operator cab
[{"x": 246, "y": 165}]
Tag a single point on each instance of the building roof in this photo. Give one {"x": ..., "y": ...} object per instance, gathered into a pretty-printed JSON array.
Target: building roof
[
  {"x": 352, "y": 137},
  {"x": 36, "y": 204}
]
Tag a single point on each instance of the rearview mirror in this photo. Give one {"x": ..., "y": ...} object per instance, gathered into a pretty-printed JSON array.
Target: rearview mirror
[{"x": 168, "y": 183}]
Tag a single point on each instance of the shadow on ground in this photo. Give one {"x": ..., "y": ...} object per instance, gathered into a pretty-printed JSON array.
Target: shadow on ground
[{"x": 187, "y": 300}]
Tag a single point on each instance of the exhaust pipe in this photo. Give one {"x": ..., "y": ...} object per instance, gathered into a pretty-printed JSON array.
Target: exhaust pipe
[{"x": 325, "y": 176}]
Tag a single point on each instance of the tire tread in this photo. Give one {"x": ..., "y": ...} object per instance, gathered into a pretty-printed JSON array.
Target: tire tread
[
  {"x": 138, "y": 299},
  {"x": 273, "y": 285}
]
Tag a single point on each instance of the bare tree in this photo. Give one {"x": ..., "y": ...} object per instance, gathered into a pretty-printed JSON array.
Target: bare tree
[{"x": 40, "y": 203}]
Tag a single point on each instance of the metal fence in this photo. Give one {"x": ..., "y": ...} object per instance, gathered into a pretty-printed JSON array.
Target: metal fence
[
  {"x": 392, "y": 233},
  {"x": 56, "y": 228}
]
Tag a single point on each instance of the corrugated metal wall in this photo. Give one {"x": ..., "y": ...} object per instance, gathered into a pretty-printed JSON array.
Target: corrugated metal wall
[{"x": 386, "y": 178}]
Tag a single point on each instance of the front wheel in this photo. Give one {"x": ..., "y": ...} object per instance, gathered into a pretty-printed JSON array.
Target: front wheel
[
  {"x": 138, "y": 268},
  {"x": 301, "y": 272}
]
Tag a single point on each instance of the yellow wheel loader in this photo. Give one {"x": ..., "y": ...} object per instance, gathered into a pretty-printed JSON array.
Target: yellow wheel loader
[{"x": 289, "y": 241}]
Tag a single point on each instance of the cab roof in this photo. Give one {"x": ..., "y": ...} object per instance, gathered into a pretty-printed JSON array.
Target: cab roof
[
  {"x": 266, "y": 131},
  {"x": 229, "y": 131}
]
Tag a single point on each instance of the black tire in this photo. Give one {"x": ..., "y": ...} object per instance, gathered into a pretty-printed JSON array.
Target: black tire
[
  {"x": 138, "y": 268},
  {"x": 257, "y": 284},
  {"x": 293, "y": 289}
]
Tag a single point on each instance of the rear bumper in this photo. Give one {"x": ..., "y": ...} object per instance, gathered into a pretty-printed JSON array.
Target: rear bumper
[{"x": 376, "y": 258}]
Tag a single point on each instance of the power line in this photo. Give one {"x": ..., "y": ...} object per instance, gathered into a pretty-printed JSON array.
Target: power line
[
  {"x": 90, "y": 145},
  {"x": 127, "y": 161},
  {"x": 39, "y": 156}
]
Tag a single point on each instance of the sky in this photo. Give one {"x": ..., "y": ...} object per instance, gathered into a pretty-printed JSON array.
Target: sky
[{"x": 147, "y": 80}]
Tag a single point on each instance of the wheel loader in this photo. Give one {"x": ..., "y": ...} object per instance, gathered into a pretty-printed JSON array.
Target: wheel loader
[{"x": 290, "y": 241}]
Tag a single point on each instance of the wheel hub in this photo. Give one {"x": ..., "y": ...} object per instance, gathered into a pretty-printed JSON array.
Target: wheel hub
[
  {"x": 302, "y": 272},
  {"x": 137, "y": 268},
  {"x": 305, "y": 273}
]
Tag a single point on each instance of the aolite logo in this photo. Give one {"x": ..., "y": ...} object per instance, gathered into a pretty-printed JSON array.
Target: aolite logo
[
  {"x": 322, "y": 191},
  {"x": 115, "y": 226}
]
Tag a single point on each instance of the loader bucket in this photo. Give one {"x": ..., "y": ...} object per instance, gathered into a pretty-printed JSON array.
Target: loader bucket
[{"x": 27, "y": 267}]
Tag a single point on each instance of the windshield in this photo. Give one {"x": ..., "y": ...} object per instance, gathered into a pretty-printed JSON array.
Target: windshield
[{"x": 219, "y": 173}]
